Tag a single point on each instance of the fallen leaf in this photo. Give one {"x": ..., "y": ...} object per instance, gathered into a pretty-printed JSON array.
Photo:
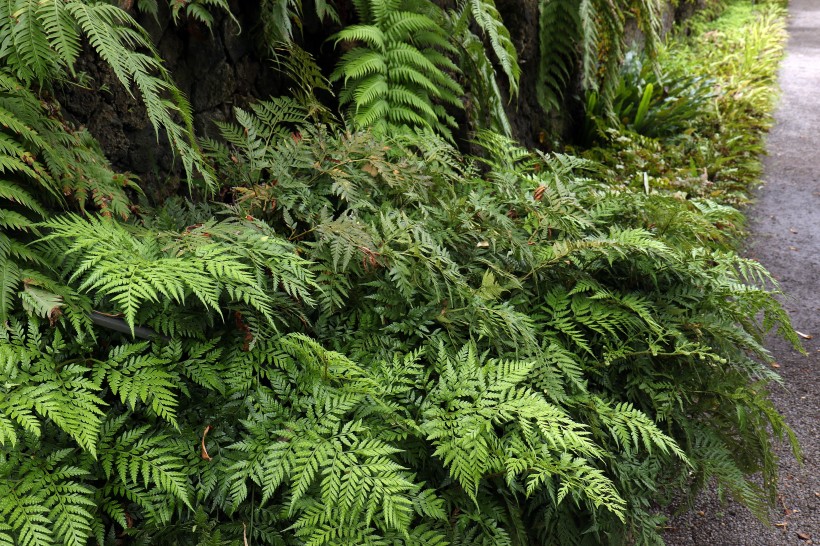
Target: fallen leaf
[
  {"x": 775, "y": 365},
  {"x": 370, "y": 169},
  {"x": 804, "y": 336},
  {"x": 803, "y": 536},
  {"x": 786, "y": 511},
  {"x": 205, "y": 451},
  {"x": 54, "y": 315},
  {"x": 781, "y": 524}
]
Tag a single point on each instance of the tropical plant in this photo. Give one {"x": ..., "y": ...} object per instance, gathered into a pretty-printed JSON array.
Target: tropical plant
[
  {"x": 367, "y": 337},
  {"x": 397, "y": 76},
  {"x": 653, "y": 105},
  {"x": 592, "y": 33}
]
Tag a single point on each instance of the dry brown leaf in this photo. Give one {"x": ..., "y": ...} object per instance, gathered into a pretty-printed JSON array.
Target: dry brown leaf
[
  {"x": 54, "y": 315},
  {"x": 803, "y": 536},
  {"x": 370, "y": 169},
  {"x": 205, "y": 451}
]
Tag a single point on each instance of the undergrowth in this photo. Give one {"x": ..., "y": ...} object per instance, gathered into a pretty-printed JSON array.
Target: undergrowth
[
  {"x": 370, "y": 337},
  {"x": 728, "y": 69}
]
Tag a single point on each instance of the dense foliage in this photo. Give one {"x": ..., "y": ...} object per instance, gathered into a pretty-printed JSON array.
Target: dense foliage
[
  {"x": 698, "y": 129},
  {"x": 370, "y": 337}
]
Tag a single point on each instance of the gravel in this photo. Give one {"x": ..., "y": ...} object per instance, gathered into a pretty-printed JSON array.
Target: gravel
[{"x": 785, "y": 237}]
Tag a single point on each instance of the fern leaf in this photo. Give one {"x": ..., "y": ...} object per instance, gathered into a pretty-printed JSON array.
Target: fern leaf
[
  {"x": 9, "y": 283},
  {"x": 489, "y": 20},
  {"x": 61, "y": 32}
]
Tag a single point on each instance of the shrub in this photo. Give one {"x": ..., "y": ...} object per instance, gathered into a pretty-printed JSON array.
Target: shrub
[
  {"x": 370, "y": 339},
  {"x": 377, "y": 343}
]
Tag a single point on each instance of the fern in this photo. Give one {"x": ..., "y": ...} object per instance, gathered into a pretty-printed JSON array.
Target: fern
[
  {"x": 397, "y": 76},
  {"x": 302, "y": 69},
  {"x": 197, "y": 264},
  {"x": 592, "y": 33},
  {"x": 486, "y": 105},
  {"x": 559, "y": 31},
  {"x": 373, "y": 339},
  {"x": 44, "y": 389},
  {"x": 198, "y": 10},
  {"x": 280, "y": 16},
  {"x": 464, "y": 440},
  {"x": 44, "y": 40},
  {"x": 44, "y": 164},
  {"x": 488, "y": 18}
]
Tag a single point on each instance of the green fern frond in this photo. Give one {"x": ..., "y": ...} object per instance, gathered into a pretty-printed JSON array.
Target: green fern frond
[
  {"x": 44, "y": 38},
  {"x": 559, "y": 29},
  {"x": 397, "y": 70},
  {"x": 489, "y": 20},
  {"x": 118, "y": 262}
]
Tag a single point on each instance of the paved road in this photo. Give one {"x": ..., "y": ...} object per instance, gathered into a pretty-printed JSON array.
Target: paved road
[{"x": 785, "y": 237}]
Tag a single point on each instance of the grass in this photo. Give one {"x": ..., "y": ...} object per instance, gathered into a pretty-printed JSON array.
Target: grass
[{"x": 718, "y": 156}]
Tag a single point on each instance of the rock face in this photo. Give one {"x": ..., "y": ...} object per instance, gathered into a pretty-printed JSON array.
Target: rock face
[
  {"x": 223, "y": 67},
  {"x": 217, "y": 69}
]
